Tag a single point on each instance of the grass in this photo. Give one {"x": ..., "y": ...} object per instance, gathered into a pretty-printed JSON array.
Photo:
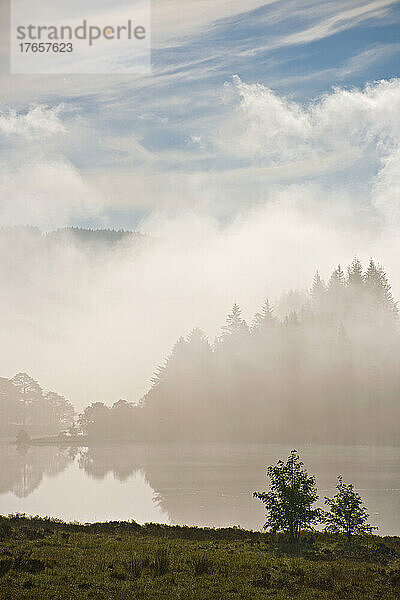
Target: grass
[{"x": 45, "y": 559}]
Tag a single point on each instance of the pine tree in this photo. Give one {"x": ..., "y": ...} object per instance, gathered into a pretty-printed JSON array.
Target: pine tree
[
  {"x": 318, "y": 288},
  {"x": 235, "y": 324},
  {"x": 355, "y": 277},
  {"x": 336, "y": 294},
  {"x": 318, "y": 298},
  {"x": 198, "y": 357},
  {"x": 337, "y": 280},
  {"x": 264, "y": 319},
  {"x": 378, "y": 289},
  {"x": 162, "y": 371},
  {"x": 197, "y": 339}
]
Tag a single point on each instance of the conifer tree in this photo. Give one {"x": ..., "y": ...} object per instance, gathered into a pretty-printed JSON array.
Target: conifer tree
[
  {"x": 378, "y": 288},
  {"x": 170, "y": 364},
  {"x": 337, "y": 280},
  {"x": 336, "y": 294},
  {"x": 318, "y": 288},
  {"x": 235, "y": 324},
  {"x": 355, "y": 277},
  {"x": 264, "y": 319}
]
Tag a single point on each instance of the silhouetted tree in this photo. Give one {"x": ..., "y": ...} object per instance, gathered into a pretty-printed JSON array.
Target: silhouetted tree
[
  {"x": 318, "y": 288},
  {"x": 10, "y": 406},
  {"x": 62, "y": 411},
  {"x": 31, "y": 394},
  {"x": 346, "y": 512},
  {"x": 337, "y": 279},
  {"x": 235, "y": 324},
  {"x": 95, "y": 421},
  {"x": 355, "y": 277},
  {"x": 336, "y": 294},
  {"x": 379, "y": 289},
  {"x": 171, "y": 364},
  {"x": 264, "y": 319},
  {"x": 122, "y": 419},
  {"x": 333, "y": 351},
  {"x": 289, "y": 503}
]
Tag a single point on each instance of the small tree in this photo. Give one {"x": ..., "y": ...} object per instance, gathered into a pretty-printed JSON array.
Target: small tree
[
  {"x": 289, "y": 503},
  {"x": 346, "y": 512}
]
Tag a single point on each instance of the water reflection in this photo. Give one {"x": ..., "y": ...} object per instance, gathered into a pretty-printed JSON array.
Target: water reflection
[
  {"x": 183, "y": 483},
  {"x": 22, "y": 470}
]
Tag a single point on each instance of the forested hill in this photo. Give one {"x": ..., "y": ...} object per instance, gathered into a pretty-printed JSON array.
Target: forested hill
[
  {"x": 100, "y": 238},
  {"x": 329, "y": 372}
]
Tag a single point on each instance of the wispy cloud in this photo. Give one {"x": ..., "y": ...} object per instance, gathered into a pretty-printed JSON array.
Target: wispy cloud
[{"x": 337, "y": 21}]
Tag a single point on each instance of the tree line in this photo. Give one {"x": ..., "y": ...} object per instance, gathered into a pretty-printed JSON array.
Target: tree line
[
  {"x": 25, "y": 405},
  {"x": 326, "y": 370},
  {"x": 329, "y": 370}
]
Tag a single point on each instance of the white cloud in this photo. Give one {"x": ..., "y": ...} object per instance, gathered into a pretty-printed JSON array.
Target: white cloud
[
  {"x": 40, "y": 122},
  {"x": 386, "y": 188},
  {"x": 339, "y": 21},
  {"x": 169, "y": 28},
  {"x": 38, "y": 184},
  {"x": 268, "y": 126},
  {"x": 327, "y": 19},
  {"x": 292, "y": 188}
]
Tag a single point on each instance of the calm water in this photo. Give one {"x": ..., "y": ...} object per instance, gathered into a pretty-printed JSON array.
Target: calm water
[{"x": 187, "y": 484}]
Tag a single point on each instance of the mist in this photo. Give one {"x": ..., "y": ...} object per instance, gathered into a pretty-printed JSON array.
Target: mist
[
  {"x": 95, "y": 323},
  {"x": 94, "y": 320}
]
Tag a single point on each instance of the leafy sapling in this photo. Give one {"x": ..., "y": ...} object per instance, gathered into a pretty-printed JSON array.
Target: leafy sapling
[
  {"x": 290, "y": 501},
  {"x": 347, "y": 514}
]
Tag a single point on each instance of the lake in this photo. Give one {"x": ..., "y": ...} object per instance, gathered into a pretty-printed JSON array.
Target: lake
[{"x": 191, "y": 484}]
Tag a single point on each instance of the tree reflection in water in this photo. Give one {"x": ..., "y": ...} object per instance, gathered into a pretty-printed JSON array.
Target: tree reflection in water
[{"x": 199, "y": 484}]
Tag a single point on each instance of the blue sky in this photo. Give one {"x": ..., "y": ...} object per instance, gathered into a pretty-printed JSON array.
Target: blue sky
[{"x": 141, "y": 133}]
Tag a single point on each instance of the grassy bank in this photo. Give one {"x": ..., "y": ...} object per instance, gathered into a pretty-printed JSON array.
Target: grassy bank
[{"x": 47, "y": 559}]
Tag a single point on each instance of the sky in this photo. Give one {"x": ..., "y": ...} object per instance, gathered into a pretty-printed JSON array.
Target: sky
[
  {"x": 265, "y": 144},
  {"x": 190, "y": 132}
]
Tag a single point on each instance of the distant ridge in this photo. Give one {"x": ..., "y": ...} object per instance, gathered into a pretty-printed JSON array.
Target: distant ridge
[
  {"x": 97, "y": 238},
  {"x": 94, "y": 235}
]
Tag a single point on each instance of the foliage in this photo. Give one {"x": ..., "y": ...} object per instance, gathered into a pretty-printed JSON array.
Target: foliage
[
  {"x": 346, "y": 512},
  {"x": 24, "y": 404},
  {"x": 289, "y": 503},
  {"x": 293, "y": 374},
  {"x": 112, "y": 561}
]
